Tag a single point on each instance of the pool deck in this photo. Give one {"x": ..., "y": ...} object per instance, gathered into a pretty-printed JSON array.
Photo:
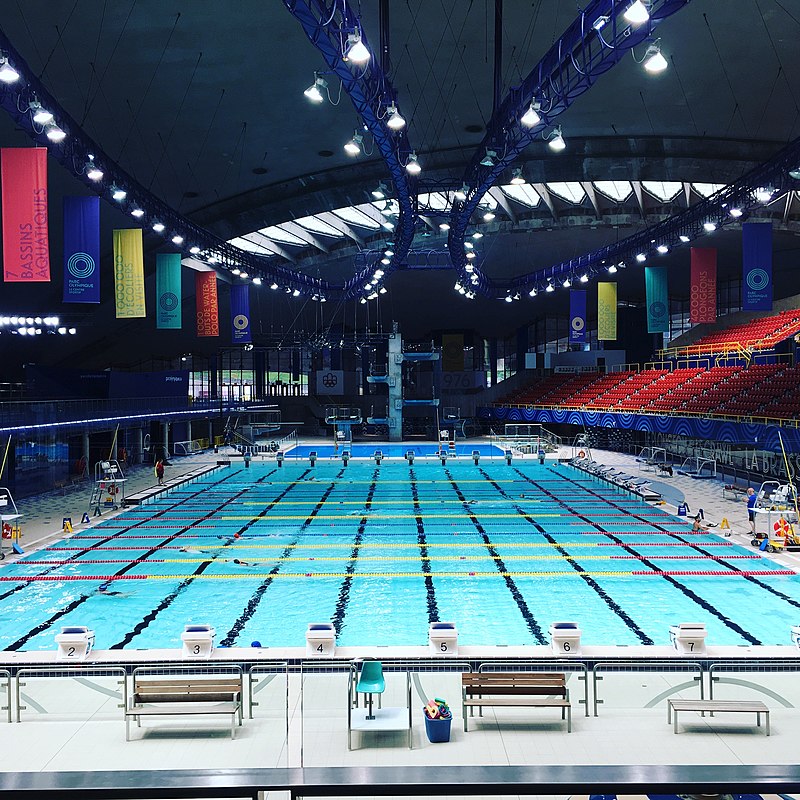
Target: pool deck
[{"x": 621, "y": 733}]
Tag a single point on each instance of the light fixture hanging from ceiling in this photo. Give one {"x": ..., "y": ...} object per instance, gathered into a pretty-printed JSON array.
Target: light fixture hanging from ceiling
[
  {"x": 412, "y": 165},
  {"x": 531, "y": 116},
  {"x": 40, "y": 115},
  {"x": 637, "y": 13},
  {"x": 488, "y": 159},
  {"x": 54, "y": 133},
  {"x": 379, "y": 192},
  {"x": 461, "y": 194},
  {"x": 93, "y": 172},
  {"x": 353, "y": 147},
  {"x": 517, "y": 177},
  {"x": 314, "y": 92},
  {"x": 654, "y": 60},
  {"x": 394, "y": 120},
  {"x": 356, "y": 50},
  {"x": 555, "y": 140},
  {"x": 118, "y": 194},
  {"x": 7, "y": 73}
]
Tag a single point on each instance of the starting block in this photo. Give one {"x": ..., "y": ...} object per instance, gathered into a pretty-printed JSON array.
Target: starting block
[
  {"x": 198, "y": 641},
  {"x": 443, "y": 638},
  {"x": 689, "y": 638},
  {"x": 66, "y": 525},
  {"x": 565, "y": 638},
  {"x": 320, "y": 639},
  {"x": 74, "y": 643},
  {"x": 795, "y": 635}
]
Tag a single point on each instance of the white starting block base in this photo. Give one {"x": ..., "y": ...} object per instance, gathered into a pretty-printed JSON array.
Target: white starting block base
[
  {"x": 74, "y": 643},
  {"x": 320, "y": 640},
  {"x": 688, "y": 638},
  {"x": 198, "y": 641},
  {"x": 795, "y": 635},
  {"x": 443, "y": 638},
  {"x": 565, "y": 638}
]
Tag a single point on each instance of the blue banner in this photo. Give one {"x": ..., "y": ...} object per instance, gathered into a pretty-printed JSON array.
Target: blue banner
[
  {"x": 577, "y": 315},
  {"x": 655, "y": 286},
  {"x": 81, "y": 249},
  {"x": 240, "y": 314},
  {"x": 168, "y": 291},
  {"x": 757, "y": 266}
]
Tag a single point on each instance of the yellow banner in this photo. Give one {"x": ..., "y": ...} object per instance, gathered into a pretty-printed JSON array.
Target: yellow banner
[
  {"x": 606, "y": 312},
  {"x": 129, "y": 273},
  {"x": 453, "y": 352}
]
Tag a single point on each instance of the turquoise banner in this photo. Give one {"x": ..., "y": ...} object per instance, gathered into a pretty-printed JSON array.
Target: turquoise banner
[
  {"x": 168, "y": 291},
  {"x": 657, "y": 293}
]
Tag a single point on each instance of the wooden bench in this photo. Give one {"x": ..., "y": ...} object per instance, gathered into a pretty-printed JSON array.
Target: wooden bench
[
  {"x": 718, "y": 706},
  {"x": 515, "y": 689},
  {"x": 177, "y": 696}
]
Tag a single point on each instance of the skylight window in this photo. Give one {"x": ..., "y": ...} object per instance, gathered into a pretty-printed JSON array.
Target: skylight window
[
  {"x": 572, "y": 192},
  {"x": 616, "y": 190},
  {"x": 665, "y": 191},
  {"x": 523, "y": 193},
  {"x": 316, "y": 225}
]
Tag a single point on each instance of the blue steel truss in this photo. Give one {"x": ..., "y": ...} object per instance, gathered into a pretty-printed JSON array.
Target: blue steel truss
[
  {"x": 585, "y": 51},
  {"x": 327, "y": 25}
]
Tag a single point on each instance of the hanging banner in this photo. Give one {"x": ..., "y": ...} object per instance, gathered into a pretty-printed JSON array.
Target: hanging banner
[
  {"x": 757, "y": 266},
  {"x": 453, "y": 352},
  {"x": 240, "y": 314},
  {"x": 606, "y": 311},
  {"x": 577, "y": 315},
  {"x": 703, "y": 281},
  {"x": 330, "y": 381},
  {"x": 168, "y": 291},
  {"x": 26, "y": 247},
  {"x": 205, "y": 289},
  {"x": 129, "y": 273},
  {"x": 657, "y": 298},
  {"x": 81, "y": 249}
]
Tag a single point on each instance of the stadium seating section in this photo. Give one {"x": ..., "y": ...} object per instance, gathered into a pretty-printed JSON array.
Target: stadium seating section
[
  {"x": 760, "y": 390},
  {"x": 758, "y": 334}
]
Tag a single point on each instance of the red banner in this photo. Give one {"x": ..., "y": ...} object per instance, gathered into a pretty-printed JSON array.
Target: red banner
[
  {"x": 703, "y": 302},
  {"x": 26, "y": 249},
  {"x": 205, "y": 290}
]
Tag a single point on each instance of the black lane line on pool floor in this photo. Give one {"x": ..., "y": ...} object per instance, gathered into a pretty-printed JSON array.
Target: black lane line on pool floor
[
  {"x": 704, "y": 604},
  {"x": 25, "y": 582},
  {"x": 227, "y": 541},
  {"x": 530, "y": 620},
  {"x": 717, "y": 558},
  {"x": 344, "y": 590},
  {"x": 422, "y": 541},
  {"x": 604, "y": 596},
  {"x": 255, "y": 600},
  {"x": 43, "y": 626}
]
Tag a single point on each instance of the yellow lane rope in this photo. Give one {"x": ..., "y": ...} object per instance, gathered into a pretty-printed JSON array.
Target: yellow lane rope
[
  {"x": 391, "y": 546},
  {"x": 403, "y": 500},
  {"x": 340, "y": 575},
  {"x": 362, "y": 558},
  {"x": 273, "y": 517}
]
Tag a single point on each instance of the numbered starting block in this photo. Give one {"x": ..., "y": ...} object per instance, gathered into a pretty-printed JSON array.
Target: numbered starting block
[
  {"x": 345, "y": 457},
  {"x": 443, "y": 638},
  {"x": 378, "y": 457},
  {"x": 476, "y": 456},
  {"x": 198, "y": 641},
  {"x": 410, "y": 457},
  {"x": 74, "y": 643},
  {"x": 795, "y": 634},
  {"x": 279, "y": 456},
  {"x": 312, "y": 457},
  {"x": 565, "y": 638},
  {"x": 689, "y": 638},
  {"x": 320, "y": 639},
  {"x": 509, "y": 456}
]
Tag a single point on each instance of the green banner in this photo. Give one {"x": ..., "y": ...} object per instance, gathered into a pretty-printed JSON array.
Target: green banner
[
  {"x": 168, "y": 291},
  {"x": 655, "y": 285}
]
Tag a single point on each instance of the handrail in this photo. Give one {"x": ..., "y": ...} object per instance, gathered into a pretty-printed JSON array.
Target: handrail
[{"x": 410, "y": 781}]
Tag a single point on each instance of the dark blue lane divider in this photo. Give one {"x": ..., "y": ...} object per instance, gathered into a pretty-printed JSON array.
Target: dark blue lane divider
[{"x": 430, "y": 589}]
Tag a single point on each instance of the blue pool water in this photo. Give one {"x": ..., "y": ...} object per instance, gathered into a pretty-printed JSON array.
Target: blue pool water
[
  {"x": 396, "y": 450},
  {"x": 381, "y": 551}
]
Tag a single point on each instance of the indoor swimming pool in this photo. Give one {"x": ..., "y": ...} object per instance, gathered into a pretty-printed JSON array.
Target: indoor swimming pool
[{"x": 382, "y": 550}]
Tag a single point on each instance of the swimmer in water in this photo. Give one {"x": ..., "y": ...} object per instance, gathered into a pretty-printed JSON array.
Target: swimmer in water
[
  {"x": 105, "y": 588},
  {"x": 191, "y": 550}
]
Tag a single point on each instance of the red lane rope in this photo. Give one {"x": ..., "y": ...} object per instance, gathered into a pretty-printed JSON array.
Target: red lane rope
[{"x": 720, "y": 573}]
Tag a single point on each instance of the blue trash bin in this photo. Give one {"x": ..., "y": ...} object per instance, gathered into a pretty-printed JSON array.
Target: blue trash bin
[{"x": 438, "y": 730}]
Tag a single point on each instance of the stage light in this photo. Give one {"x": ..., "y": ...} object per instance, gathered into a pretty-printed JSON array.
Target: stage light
[
  {"x": 477, "y": 235},
  {"x": 470, "y": 254},
  {"x": 533, "y": 292},
  {"x": 567, "y": 283},
  {"x": 461, "y": 194},
  {"x": 584, "y": 278},
  {"x": 353, "y": 147},
  {"x": 395, "y": 121},
  {"x": 735, "y": 212},
  {"x": 388, "y": 253},
  {"x": 194, "y": 250},
  {"x": 235, "y": 271},
  {"x": 93, "y": 172},
  {"x": 488, "y": 159},
  {"x": 488, "y": 216},
  {"x": 556, "y": 140},
  {"x": 244, "y": 275},
  {"x": 444, "y": 226},
  {"x": 118, "y": 194},
  {"x": 550, "y": 288},
  {"x": 508, "y": 298},
  {"x": 314, "y": 93},
  {"x": 274, "y": 286},
  {"x": 469, "y": 245},
  {"x": 612, "y": 269},
  {"x": 72, "y": 331},
  {"x": 663, "y": 249},
  {"x": 684, "y": 238},
  {"x": 296, "y": 293},
  {"x": 379, "y": 192},
  {"x": 763, "y": 194},
  {"x": 137, "y": 212},
  {"x": 531, "y": 116},
  {"x": 641, "y": 257},
  {"x": 7, "y": 73},
  {"x": 517, "y": 178},
  {"x": 709, "y": 226},
  {"x": 412, "y": 165},
  {"x": 257, "y": 281},
  {"x": 177, "y": 239},
  {"x": 158, "y": 227},
  {"x": 40, "y": 115},
  {"x": 600, "y": 23},
  {"x": 356, "y": 51},
  {"x": 386, "y": 261},
  {"x": 654, "y": 61},
  {"x": 637, "y": 13},
  {"x": 54, "y": 133}
]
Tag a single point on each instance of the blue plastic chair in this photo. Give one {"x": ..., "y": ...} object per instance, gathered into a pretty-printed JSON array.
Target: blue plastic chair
[{"x": 370, "y": 682}]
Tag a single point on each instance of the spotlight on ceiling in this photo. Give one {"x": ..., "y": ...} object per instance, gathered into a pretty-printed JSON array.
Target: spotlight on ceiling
[
  {"x": 533, "y": 292},
  {"x": 137, "y": 212},
  {"x": 567, "y": 283},
  {"x": 518, "y": 178},
  {"x": 444, "y": 226},
  {"x": 412, "y": 165},
  {"x": 612, "y": 269},
  {"x": 40, "y": 115},
  {"x": 684, "y": 238},
  {"x": 488, "y": 216},
  {"x": 93, "y": 172},
  {"x": 394, "y": 120},
  {"x": 663, "y": 249},
  {"x": 257, "y": 281},
  {"x": 177, "y": 239},
  {"x": 550, "y": 288},
  {"x": 654, "y": 60},
  {"x": 584, "y": 278},
  {"x": 314, "y": 92},
  {"x": 488, "y": 159},
  {"x": 356, "y": 50},
  {"x": 379, "y": 192},
  {"x": 54, "y": 133},
  {"x": 296, "y": 293},
  {"x": 118, "y": 194},
  {"x": 7, "y": 73},
  {"x": 600, "y": 23},
  {"x": 274, "y": 286},
  {"x": 637, "y": 13},
  {"x": 795, "y": 173},
  {"x": 556, "y": 140},
  {"x": 461, "y": 194},
  {"x": 763, "y": 194},
  {"x": 194, "y": 250},
  {"x": 531, "y": 116},
  {"x": 735, "y": 212},
  {"x": 353, "y": 147},
  {"x": 477, "y": 235},
  {"x": 508, "y": 298},
  {"x": 641, "y": 257},
  {"x": 709, "y": 226},
  {"x": 158, "y": 227}
]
